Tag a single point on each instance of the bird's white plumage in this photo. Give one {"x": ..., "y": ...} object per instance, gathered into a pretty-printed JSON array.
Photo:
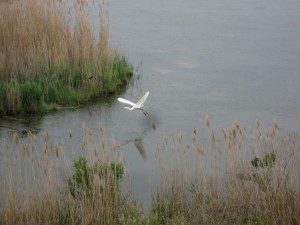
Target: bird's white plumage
[
  {"x": 126, "y": 101},
  {"x": 138, "y": 105},
  {"x": 143, "y": 99}
]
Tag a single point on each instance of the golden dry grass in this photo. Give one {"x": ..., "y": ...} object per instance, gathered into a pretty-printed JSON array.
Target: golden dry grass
[
  {"x": 38, "y": 35},
  {"x": 204, "y": 180},
  {"x": 226, "y": 187},
  {"x": 34, "y": 182}
]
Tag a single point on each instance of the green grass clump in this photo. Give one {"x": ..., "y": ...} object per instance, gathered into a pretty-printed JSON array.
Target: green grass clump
[
  {"x": 83, "y": 184},
  {"x": 32, "y": 96},
  {"x": 268, "y": 161},
  {"x": 80, "y": 184}
]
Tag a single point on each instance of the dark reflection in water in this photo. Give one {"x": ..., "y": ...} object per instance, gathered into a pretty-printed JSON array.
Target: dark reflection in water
[
  {"x": 21, "y": 125},
  {"x": 138, "y": 143}
]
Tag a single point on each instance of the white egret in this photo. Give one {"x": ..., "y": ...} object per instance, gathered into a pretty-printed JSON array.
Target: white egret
[{"x": 139, "y": 105}]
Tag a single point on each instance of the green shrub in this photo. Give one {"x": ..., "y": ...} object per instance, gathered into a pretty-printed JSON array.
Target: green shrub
[
  {"x": 268, "y": 161},
  {"x": 82, "y": 183},
  {"x": 263, "y": 179}
]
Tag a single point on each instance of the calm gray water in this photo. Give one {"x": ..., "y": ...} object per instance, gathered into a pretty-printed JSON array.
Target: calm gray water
[{"x": 233, "y": 60}]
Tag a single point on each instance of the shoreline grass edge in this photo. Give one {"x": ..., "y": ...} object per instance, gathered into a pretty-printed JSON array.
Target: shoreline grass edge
[{"x": 51, "y": 56}]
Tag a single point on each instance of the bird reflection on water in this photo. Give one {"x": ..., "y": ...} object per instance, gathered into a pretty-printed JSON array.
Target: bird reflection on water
[{"x": 138, "y": 143}]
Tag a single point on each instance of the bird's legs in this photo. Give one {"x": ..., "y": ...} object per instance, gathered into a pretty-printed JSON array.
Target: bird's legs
[{"x": 145, "y": 113}]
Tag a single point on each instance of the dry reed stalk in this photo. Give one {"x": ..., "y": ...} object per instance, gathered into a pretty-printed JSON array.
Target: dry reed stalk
[
  {"x": 34, "y": 192},
  {"x": 208, "y": 186},
  {"x": 37, "y": 36},
  {"x": 227, "y": 189}
]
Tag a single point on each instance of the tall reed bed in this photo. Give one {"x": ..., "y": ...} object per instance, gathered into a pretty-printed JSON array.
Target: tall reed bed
[
  {"x": 50, "y": 54},
  {"x": 241, "y": 176},
  {"x": 233, "y": 175},
  {"x": 40, "y": 185}
]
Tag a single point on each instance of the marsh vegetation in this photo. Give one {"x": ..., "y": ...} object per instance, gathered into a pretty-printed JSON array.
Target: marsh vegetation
[
  {"x": 50, "y": 55},
  {"x": 238, "y": 176}
]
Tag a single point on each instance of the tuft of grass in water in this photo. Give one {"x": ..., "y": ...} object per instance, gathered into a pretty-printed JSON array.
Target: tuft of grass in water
[{"x": 51, "y": 45}]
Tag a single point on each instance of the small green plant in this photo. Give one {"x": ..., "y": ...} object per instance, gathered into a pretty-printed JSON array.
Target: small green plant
[
  {"x": 83, "y": 182},
  {"x": 263, "y": 180},
  {"x": 118, "y": 170},
  {"x": 80, "y": 183},
  {"x": 171, "y": 209},
  {"x": 268, "y": 161}
]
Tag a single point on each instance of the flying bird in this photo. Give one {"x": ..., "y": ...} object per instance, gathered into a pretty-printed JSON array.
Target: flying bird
[{"x": 139, "y": 105}]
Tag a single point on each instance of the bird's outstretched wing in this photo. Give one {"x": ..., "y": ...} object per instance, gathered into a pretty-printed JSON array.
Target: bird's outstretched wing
[
  {"x": 126, "y": 101},
  {"x": 143, "y": 99}
]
